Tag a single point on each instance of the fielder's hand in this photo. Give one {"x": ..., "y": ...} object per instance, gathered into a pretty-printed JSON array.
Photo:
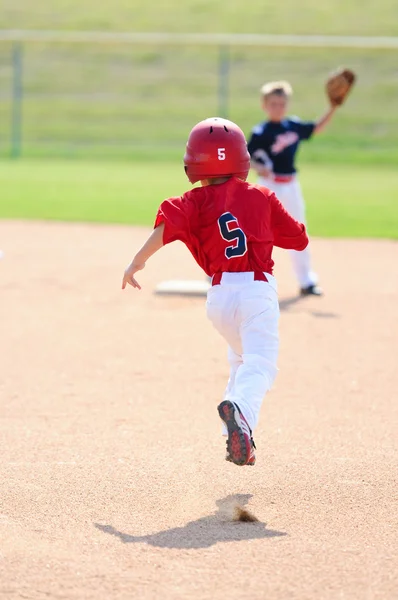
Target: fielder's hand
[
  {"x": 338, "y": 86},
  {"x": 262, "y": 164},
  {"x": 263, "y": 171},
  {"x": 128, "y": 277}
]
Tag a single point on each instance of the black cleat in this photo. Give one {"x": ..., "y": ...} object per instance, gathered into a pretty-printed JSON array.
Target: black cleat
[{"x": 311, "y": 290}]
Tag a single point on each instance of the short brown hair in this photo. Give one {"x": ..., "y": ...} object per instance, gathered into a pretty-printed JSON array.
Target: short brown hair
[{"x": 280, "y": 88}]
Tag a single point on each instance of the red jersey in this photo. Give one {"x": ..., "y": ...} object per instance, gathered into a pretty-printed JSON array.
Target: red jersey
[{"x": 230, "y": 227}]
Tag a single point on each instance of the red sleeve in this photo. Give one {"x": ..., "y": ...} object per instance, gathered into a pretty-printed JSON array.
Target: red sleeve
[
  {"x": 288, "y": 233},
  {"x": 177, "y": 215}
]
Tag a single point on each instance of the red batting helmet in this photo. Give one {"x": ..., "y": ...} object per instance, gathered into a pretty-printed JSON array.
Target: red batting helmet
[{"x": 216, "y": 148}]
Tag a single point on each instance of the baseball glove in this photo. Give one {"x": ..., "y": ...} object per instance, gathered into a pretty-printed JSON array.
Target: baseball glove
[{"x": 338, "y": 86}]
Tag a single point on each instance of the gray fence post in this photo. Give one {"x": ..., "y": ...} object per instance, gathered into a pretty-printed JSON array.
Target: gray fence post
[
  {"x": 16, "y": 109},
  {"x": 223, "y": 80}
]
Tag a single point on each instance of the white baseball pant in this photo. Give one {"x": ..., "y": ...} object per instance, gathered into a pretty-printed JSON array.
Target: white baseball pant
[
  {"x": 246, "y": 313},
  {"x": 291, "y": 197}
]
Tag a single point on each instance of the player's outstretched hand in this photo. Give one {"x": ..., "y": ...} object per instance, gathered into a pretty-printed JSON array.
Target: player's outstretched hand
[{"x": 128, "y": 277}]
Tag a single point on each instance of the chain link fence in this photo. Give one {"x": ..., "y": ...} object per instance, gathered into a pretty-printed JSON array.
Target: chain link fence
[{"x": 132, "y": 100}]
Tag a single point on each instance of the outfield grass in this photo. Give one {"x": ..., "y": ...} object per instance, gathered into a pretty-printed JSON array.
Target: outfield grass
[
  {"x": 118, "y": 100},
  {"x": 357, "y": 17},
  {"x": 343, "y": 201}
]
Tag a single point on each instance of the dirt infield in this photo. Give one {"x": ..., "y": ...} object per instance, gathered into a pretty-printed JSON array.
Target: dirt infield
[{"x": 113, "y": 479}]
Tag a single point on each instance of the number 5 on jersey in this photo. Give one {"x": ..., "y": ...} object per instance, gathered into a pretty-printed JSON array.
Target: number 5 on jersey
[{"x": 231, "y": 232}]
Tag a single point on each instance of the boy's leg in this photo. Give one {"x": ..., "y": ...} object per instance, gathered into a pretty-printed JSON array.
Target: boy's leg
[
  {"x": 252, "y": 314},
  {"x": 260, "y": 344},
  {"x": 235, "y": 361},
  {"x": 250, "y": 327},
  {"x": 292, "y": 199}
]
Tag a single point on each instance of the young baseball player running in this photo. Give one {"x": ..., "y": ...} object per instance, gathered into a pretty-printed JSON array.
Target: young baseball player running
[
  {"x": 230, "y": 227},
  {"x": 273, "y": 147}
]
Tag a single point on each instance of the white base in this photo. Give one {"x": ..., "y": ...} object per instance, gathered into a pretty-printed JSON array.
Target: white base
[{"x": 183, "y": 287}]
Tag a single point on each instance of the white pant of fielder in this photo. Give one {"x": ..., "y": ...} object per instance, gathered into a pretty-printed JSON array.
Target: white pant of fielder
[
  {"x": 246, "y": 313},
  {"x": 292, "y": 200}
]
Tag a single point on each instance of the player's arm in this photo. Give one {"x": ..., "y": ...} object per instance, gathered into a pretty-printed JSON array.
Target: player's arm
[
  {"x": 152, "y": 245},
  {"x": 173, "y": 221},
  {"x": 259, "y": 159},
  {"x": 262, "y": 164},
  {"x": 324, "y": 121},
  {"x": 288, "y": 233},
  {"x": 338, "y": 87}
]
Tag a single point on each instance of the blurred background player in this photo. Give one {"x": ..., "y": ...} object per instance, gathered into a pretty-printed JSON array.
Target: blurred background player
[
  {"x": 273, "y": 147},
  {"x": 230, "y": 228}
]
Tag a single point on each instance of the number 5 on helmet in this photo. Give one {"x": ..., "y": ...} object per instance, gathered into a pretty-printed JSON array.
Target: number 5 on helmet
[{"x": 216, "y": 148}]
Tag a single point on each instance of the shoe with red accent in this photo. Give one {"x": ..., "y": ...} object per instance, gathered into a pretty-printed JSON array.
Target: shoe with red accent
[{"x": 240, "y": 444}]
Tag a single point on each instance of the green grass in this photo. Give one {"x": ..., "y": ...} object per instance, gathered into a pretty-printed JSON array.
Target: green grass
[
  {"x": 130, "y": 108},
  {"x": 118, "y": 100},
  {"x": 342, "y": 201},
  {"x": 360, "y": 17}
]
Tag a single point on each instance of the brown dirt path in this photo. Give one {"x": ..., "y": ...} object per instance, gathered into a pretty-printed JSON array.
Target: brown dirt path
[{"x": 113, "y": 479}]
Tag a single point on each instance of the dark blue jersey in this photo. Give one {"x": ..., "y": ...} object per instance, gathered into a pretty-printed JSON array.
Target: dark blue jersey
[{"x": 280, "y": 142}]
